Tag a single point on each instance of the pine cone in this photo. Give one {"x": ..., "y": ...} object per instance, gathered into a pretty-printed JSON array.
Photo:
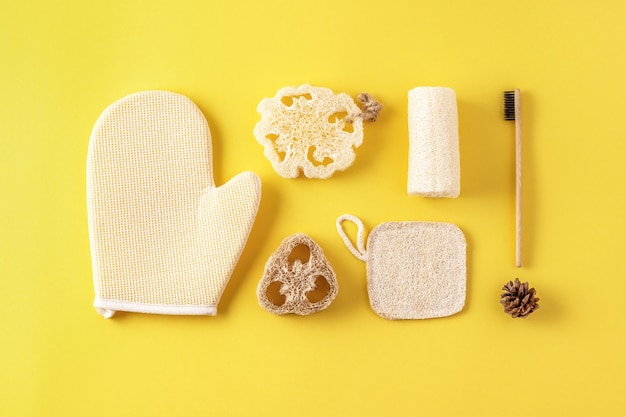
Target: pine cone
[{"x": 518, "y": 300}]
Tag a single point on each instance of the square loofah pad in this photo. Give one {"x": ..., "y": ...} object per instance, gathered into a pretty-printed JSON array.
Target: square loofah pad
[{"x": 415, "y": 270}]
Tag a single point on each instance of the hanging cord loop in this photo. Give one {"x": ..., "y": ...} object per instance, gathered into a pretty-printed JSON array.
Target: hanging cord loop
[{"x": 358, "y": 251}]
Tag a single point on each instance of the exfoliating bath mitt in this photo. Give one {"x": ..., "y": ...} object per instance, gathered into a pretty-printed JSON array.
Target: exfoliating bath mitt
[
  {"x": 434, "y": 159},
  {"x": 415, "y": 270},
  {"x": 164, "y": 239}
]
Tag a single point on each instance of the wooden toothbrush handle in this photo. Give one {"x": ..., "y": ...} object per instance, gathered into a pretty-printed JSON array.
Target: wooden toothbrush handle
[{"x": 518, "y": 180}]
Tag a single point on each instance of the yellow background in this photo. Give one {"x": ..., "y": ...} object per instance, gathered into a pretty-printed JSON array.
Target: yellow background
[{"x": 63, "y": 62}]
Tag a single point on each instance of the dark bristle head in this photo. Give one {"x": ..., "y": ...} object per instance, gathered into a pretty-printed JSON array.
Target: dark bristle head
[{"x": 509, "y": 105}]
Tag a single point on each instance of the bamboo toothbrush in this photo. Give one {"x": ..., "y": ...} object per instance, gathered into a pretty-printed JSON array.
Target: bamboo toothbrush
[{"x": 513, "y": 111}]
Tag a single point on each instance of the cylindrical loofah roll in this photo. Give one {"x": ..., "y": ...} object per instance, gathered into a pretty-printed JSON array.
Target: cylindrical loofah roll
[{"x": 434, "y": 161}]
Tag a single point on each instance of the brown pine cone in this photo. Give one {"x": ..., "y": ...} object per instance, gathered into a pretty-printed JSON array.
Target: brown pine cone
[{"x": 518, "y": 300}]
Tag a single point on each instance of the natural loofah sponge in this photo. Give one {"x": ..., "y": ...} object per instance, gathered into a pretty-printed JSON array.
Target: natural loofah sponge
[
  {"x": 297, "y": 279},
  {"x": 310, "y": 130},
  {"x": 434, "y": 161},
  {"x": 415, "y": 270}
]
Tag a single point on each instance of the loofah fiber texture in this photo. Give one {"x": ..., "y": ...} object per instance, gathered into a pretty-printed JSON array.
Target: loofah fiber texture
[
  {"x": 297, "y": 279},
  {"x": 415, "y": 270},
  {"x": 310, "y": 130},
  {"x": 434, "y": 158},
  {"x": 164, "y": 239}
]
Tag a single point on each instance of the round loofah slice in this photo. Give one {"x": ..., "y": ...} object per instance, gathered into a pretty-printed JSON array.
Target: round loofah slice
[
  {"x": 297, "y": 279},
  {"x": 309, "y": 130}
]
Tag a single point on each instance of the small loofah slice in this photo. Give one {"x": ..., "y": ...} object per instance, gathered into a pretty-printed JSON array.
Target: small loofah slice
[
  {"x": 310, "y": 130},
  {"x": 297, "y": 279},
  {"x": 415, "y": 270}
]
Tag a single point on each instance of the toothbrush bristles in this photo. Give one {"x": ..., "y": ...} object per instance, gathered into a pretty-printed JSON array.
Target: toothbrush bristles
[{"x": 509, "y": 105}]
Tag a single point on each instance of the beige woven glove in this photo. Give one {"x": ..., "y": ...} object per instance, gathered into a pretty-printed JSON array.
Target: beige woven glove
[{"x": 163, "y": 238}]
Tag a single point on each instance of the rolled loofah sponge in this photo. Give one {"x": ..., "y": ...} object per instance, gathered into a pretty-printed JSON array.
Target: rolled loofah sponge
[
  {"x": 297, "y": 279},
  {"x": 310, "y": 130},
  {"x": 415, "y": 270},
  {"x": 434, "y": 161}
]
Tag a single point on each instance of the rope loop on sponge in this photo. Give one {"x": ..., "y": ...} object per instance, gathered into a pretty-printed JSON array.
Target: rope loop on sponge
[{"x": 358, "y": 251}]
